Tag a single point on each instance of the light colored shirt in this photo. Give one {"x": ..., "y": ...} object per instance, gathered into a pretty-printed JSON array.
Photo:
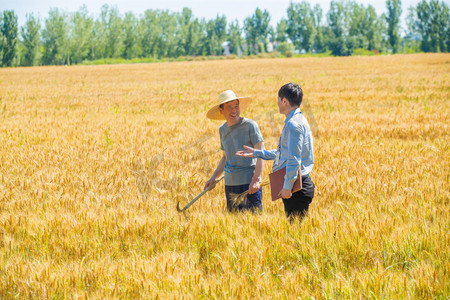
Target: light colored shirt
[
  {"x": 239, "y": 170},
  {"x": 295, "y": 149}
]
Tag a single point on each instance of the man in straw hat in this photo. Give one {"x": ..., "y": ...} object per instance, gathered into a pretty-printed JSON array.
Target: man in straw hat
[
  {"x": 295, "y": 150},
  {"x": 241, "y": 174}
]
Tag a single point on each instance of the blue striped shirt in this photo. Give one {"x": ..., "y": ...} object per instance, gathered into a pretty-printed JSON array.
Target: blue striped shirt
[{"x": 295, "y": 149}]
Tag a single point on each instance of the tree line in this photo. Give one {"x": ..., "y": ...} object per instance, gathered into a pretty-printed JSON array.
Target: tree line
[{"x": 347, "y": 28}]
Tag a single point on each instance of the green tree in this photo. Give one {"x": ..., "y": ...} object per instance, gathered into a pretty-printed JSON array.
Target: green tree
[
  {"x": 211, "y": 41},
  {"x": 364, "y": 27},
  {"x": 196, "y": 38},
  {"x": 54, "y": 38},
  {"x": 374, "y": 30},
  {"x": 99, "y": 45},
  {"x": 235, "y": 37},
  {"x": 411, "y": 39},
  {"x": 336, "y": 18},
  {"x": 358, "y": 25},
  {"x": 130, "y": 43},
  {"x": 271, "y": 35},
  {"x": 184, "y": 21},
  {"x": 394, "y": 11},
  {"x": 286, "y": 48},
  {"x": 30, "y": 33},
  {"x": 114, "y": 33},
  {"x": 108, "y": 34},
  {"x": 215, "y": 35},
  {"x": 250, "y": 36},
  {"x": 337, "y": 23},
  {"x": 256, "y": 30},
  {"x": 80, "y": 36},
  {"x": 221, "y": 31},
  {"x": 261, "y": 22},
  {"x": 167, "y": 39},
  {"x": 150, "y": 33},
  {"x": 301, "y": 25},
  {"x": 281, "y": 31},
  {"x": 319, "y": 41},
  {"x": 8, "y": 29},
  {"x": 385, "y": 45},
  {"x": 431, "y": 22}
]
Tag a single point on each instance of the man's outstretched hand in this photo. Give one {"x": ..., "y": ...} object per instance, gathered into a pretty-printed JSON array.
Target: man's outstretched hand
[{"x": 248, "y": 152}]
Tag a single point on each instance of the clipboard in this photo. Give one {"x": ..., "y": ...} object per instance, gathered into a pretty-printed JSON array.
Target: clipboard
[{"x": 277, "y": 181}]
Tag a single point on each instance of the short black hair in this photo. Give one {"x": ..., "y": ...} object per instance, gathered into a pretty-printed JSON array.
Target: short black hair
[
  {"x": 292, "y": 92},
  {"x": 221, "y": 105}
]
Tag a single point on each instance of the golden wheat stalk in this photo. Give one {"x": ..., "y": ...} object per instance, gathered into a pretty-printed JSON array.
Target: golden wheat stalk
[{"x": 238, "y": 199}]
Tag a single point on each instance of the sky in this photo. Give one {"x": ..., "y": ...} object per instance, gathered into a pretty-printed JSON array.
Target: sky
[{"x": 208, "y": 9}]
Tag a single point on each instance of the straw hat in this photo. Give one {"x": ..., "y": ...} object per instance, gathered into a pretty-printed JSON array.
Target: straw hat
[{"x": 225, "y": 97}]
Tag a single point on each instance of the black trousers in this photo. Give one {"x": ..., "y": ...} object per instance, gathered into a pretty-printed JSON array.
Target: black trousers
[{"x": 298, "y": 204}]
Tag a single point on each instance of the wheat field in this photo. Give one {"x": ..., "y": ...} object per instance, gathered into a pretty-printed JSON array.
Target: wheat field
[{"x": 94, "y": 159}]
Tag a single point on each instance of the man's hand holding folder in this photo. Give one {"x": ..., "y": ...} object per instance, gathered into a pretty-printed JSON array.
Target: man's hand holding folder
[{"x": 277, "y": 181}]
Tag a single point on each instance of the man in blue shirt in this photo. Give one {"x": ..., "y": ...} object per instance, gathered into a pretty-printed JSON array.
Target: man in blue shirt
[
  {"x": 241, "y": 174},
  {"x": 295, "y": 150}
]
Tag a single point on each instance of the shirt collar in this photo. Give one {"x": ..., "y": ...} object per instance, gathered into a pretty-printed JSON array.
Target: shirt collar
[
  {"x": 237, "y": 124},
  {"x": 292, "y": 113}
]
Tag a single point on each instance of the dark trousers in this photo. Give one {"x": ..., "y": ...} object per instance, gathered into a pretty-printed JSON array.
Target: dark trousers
[
  {"x": 251, "y": 202},
  {"x": 299, "y": 202}
]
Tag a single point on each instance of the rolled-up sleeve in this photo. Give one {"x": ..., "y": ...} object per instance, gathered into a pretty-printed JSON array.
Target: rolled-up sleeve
[
  {"x": 295, "y": 134},
  {"x": 265, "y": 154}
]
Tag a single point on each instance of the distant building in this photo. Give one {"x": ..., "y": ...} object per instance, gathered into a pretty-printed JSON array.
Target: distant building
[
  {"x": 271, "y": 47},
  {"x": 226, "y": 48}
]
